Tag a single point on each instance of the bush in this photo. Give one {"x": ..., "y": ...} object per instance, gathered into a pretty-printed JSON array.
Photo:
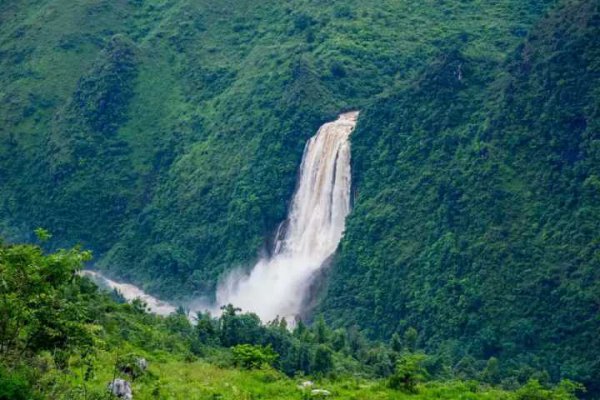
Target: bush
[
  {"x": 323, "y": 361},
  {"x": 249, "y": 356},
  {"x": 409, "y": 373},
  {"x": 534, "y": 390},
  {"x": 15, "y": 386}
]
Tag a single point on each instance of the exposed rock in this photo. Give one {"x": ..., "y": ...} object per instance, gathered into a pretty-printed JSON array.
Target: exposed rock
[
  {"x": 306, "y": 385},
  {"x": 121, "y": 389},
  {"x": 319, "y": 393},
  {"x": 142, "y": 363}
]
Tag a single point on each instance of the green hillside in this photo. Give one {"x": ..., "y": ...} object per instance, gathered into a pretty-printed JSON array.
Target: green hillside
[
  {"x": 166, "y": 136},
  {"x": 478, "y": 211}
]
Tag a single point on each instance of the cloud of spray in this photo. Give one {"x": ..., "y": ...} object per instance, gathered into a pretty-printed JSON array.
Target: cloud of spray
[{"x": 274, "y": 288}]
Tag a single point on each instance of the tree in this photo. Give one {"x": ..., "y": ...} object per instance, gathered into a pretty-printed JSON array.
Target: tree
[
  {"x": 321, "y": 330},
  {"x": 409, "y": 373},
  {"x": 323, "y": 361},
  {"x": 379, "y": 358},
  {"x": 179, "y": 323},
  {"x": 491, "y": 373},
  {"x": 339, "y": 339},
  {"x": 356, "y": 341},
  {"x": 303, "y": 358},
  {"x": 239, "y": 328},
  {"x": 396, "y": 343},
  {"x": 14, "y": 386},
  {"x": 410, "y": 338},
  {"x": 42, "y": 234},
  {"x": 206, "y": 329},
  {"x": 40, "y": 302},
  {"x": 229, "y": 325},
  {"x": 533, "y": 390},
  {"x": 300, "y": 330},
  {"x": 250, "y": 356}
]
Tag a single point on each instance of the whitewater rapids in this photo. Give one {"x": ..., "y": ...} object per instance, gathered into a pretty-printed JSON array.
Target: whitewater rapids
[
  {"x": 130, "y": 293},
  {"x": 277, "y": 286}
]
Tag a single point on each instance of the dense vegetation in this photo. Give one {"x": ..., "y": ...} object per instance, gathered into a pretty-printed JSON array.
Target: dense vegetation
[
  {"x": 60, "y": 338},
  {"x": 166, "y": 136},
  {"x": 478, "y": 225}
]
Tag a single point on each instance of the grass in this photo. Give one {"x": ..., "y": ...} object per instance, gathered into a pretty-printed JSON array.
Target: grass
[{"x": 171, "y": 379}]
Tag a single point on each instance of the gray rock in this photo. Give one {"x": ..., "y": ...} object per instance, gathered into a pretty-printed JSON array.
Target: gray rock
[
  {"x": 320, "y": 393},
  {"x": 306, "y": 385},
  {"x": 121, "y": 389},
  {"x": 142, "y": 363}
]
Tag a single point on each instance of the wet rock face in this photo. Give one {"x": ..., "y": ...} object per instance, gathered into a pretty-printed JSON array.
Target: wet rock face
[{"x": 121, "y": 389}]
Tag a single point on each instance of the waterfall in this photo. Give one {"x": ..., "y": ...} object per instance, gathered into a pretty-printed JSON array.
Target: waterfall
[{"x": 277, "y": 286}]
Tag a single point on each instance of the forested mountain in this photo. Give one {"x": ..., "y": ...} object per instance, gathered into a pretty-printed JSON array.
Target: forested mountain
[
  {"x": 166, "y": 136},
  {"x": 477, "y": 211}
]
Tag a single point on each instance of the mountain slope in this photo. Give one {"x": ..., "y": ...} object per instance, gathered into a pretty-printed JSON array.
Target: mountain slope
[
  {"x": 177, "y": 165},
  {"x": 167, "y": 135},
  {"x": 479, "y": 226}
]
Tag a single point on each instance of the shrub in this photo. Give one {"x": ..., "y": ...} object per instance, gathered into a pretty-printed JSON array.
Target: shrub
[
  {"x": 408, "y": 373},
  {"x": 249, "y": 356},
  {"x": 533, "y": 390},
  {"x": 14, "y": 386},
  {"x": 323, "y": 361}
]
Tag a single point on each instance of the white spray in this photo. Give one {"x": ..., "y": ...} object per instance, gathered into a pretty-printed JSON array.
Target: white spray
[{"x": 277, "y": 286}]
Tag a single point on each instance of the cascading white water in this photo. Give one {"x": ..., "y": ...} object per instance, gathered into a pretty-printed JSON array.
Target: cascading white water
[
  {"x": 130, "y": 292},
  {"x": 277, "y": 286}
]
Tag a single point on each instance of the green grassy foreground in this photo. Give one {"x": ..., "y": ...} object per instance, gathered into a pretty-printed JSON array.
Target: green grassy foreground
[
  {"x": 180, "y": 380},
  {"x": 63, "y": 339},
  {"x": 200, "y": 380}
]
